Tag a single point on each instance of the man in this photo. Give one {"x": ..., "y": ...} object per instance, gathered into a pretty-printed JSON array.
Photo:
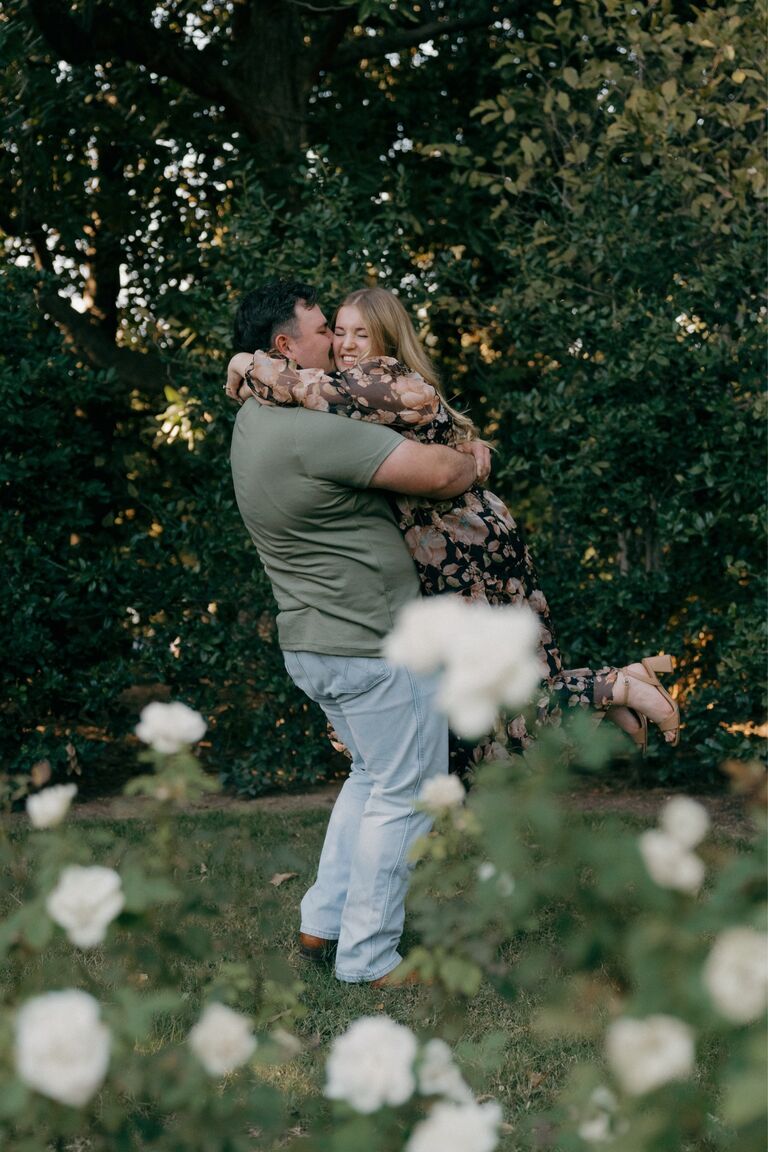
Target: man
[{"x": 309, "y": 489}]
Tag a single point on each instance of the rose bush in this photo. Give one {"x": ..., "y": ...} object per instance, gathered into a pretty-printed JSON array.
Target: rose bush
[
  {"x": 80, "y": 1035},
  {"x": 659, "y": 957},
  {"x": 658, "y": 963}
]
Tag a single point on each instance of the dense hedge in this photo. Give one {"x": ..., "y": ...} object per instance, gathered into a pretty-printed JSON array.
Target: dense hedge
[{"x": 129, "y": 577}]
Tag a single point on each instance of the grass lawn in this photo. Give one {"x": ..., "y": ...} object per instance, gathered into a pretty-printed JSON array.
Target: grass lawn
[{"x": 246, "y": 851}]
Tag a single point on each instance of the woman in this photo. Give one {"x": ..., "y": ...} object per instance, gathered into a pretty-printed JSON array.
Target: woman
[{"x": 469, "y": 545}]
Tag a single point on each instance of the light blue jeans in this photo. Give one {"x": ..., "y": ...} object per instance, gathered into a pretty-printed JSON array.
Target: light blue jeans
[{"x": 387, "y": 718}]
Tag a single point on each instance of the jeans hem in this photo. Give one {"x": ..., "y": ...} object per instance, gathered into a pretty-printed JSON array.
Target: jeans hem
[
  {"x": 321, "y": 934},
  {"x": 366, "y": 979}
]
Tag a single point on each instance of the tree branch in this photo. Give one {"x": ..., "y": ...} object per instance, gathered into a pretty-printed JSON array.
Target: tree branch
[
  {"x": 95, "y": 341},
  {"x": 259, "y": 96},
  {"x": 328, "y": 45},
  {"x": 110, "y": 34},
  {"x": 133, "y": 369},
  {"x": 104, "y": 230},
  {"x": 371, "y": 47}
]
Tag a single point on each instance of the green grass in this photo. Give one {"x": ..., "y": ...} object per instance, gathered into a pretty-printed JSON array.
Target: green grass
[{"x": 243, "y": 852}]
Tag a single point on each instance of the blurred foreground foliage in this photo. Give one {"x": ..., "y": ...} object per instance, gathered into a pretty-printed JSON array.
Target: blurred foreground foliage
[
  {"x": 547, "y": 931},
  {"x": 569, "y": 198}
]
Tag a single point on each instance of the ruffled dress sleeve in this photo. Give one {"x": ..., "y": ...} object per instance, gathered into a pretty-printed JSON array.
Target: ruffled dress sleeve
[{"x": 380, "y": 390}]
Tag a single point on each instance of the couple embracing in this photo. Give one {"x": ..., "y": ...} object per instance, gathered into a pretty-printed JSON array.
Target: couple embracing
[{"x": 362, "y": 489}]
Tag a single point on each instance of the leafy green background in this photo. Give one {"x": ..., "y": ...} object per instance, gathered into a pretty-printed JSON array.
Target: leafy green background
[{"x": 569, "y": 198}]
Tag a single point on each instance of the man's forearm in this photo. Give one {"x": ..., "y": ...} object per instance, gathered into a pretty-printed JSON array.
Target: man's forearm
[
  {"x": 454, "y": 472},
  {"x": 430, "y": 470}
]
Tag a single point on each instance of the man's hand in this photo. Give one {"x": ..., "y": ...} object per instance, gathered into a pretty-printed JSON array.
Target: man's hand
[
  {"x": 482, "y": 455},
  {"x": 236, "y": 370}
]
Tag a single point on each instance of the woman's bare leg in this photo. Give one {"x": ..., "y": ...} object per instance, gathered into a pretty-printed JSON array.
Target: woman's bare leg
[{"x": 640, "y": 697}]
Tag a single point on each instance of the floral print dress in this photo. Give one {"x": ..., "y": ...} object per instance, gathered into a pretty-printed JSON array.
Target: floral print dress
[{"x": 468, "y": 545}]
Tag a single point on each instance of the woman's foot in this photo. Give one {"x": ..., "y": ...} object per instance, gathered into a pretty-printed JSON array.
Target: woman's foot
[
  {"x": 637, "y": 692},
  {"x": 631, "y": 723}
]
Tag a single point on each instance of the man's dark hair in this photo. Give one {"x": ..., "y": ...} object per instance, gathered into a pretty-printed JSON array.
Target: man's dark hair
[{"x": 267, "y": 311}]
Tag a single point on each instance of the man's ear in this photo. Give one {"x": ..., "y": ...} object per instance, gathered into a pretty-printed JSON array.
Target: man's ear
[{"x": 283, "y": 345}]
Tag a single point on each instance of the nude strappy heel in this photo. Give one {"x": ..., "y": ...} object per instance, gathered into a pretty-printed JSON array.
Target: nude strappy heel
[
  {"x": 671, "y": 723},
  {"x": 640, "y": 737}
]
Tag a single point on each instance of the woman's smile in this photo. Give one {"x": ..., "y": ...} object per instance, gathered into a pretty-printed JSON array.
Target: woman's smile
[{"x": 351, "y": 341}]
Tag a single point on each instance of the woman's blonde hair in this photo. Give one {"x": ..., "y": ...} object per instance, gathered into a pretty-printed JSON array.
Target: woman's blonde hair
[{"x": 390, "y": 328}]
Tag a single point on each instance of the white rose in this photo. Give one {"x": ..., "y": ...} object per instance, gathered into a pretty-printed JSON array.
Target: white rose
[
  {"x": 523, "y": 670},
  {"x": 471, "y": 711},
  {"x": 736, "y": 974},
  {"x": 469, "y": 1127},
  {"x": 597, "y": 1127},
  {"x": 423, "y": 633},
  {"x": 222, "y": 1039},
  {"x": 443, "y": 792},
  {"x": 170, "y": 727},
  {"x": 505, "y": 885},
  {"x": 669, "y": 864},
  {"x": 371, "y": 1064},
  {"x": 489, "y": 656},
  {"x": 62, "y": 1047},
  {"x": 493, "y": 663},
  {"x": 85, "y": 902},
  {"x": 685, "y": 820},
  {"x": 48, "y": 808},
  {"x": 438, "y": 1074},
  {"x": 644, "y": 1054}
]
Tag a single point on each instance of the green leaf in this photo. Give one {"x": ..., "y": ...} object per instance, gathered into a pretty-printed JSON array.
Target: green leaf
[
  {"x": 14, "y": 1097},
  {"x": 460, "y": 975},
  {"x": 142, "y": 891},
  {"x": 139, "y": 1009},
  {"x": 35, "y": 925},
  {"x": 744, "y": 1100}
]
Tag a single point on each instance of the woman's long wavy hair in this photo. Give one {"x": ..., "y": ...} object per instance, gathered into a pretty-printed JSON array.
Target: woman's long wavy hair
[{"x": 392, "y": 333}]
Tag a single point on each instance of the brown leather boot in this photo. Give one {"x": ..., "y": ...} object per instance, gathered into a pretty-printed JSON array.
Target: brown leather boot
[{"x": 317, "y": 949}]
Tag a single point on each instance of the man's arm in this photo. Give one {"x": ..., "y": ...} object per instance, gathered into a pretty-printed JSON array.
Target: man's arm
[
  {"x": 358, "y": 454},
  {"x": 433, "y": 470}
]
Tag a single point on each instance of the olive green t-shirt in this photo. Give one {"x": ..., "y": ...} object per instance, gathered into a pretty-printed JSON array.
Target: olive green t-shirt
[{"x": 339, "y": 567}]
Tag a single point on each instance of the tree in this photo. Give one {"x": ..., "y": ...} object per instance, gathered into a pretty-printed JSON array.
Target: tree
[
  {"x": 129, "y": 130},
  {"x": 619, "y": 165},
  {"x": 141, "y": 145},
  {"x": 567, "y": 196}
]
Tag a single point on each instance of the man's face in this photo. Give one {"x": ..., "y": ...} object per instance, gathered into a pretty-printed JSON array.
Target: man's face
[{"x": 310, "y": 342}]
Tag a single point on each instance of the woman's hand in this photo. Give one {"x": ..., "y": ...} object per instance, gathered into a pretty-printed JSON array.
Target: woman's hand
[
  {"x": 267, "y": 369},
  {"x": 482, "y": 454},
  {"x": 236, "y": 370}
]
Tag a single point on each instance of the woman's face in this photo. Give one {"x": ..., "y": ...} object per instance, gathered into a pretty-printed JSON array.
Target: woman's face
[{"x": 351, "y": 342}]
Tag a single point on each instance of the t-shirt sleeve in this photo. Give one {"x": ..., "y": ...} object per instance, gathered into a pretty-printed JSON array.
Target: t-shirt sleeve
[{"x": 347, "y": 451}]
